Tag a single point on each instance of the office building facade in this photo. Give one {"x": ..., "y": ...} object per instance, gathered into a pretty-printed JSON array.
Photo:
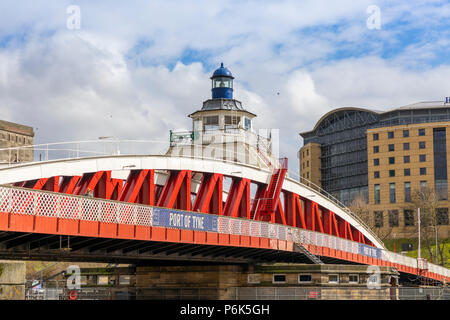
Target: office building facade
[{"x": 385, "y": 159}]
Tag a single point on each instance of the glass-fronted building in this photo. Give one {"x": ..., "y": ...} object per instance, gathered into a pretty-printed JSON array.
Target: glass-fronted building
[{"x": 381, "y": 157}]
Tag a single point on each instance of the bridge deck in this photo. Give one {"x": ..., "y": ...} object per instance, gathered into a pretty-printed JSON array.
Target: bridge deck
[{"x": 37, "y": 224}]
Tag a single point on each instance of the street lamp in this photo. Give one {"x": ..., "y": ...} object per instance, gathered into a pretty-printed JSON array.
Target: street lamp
[{"x": 104, "y": 147}]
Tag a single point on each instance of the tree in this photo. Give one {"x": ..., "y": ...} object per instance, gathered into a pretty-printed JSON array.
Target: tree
[
  {"x": 427, "y": 200},
  {"x": 361, "y": 208}
]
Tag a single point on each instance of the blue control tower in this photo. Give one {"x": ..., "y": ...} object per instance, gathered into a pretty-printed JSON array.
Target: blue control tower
[{"x": 222, "y": 83}]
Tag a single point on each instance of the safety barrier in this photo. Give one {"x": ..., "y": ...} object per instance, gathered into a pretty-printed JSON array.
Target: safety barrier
[{"x": 42, "y": 203}]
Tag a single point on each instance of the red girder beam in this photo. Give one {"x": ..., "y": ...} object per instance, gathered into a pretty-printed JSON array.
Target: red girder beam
[
  {"x": 68, "y": 184},
  {"x": 309, "y": 215},
  {"x": 335, "y": 224},
  {"x": 279, "y": 216},
  {"x": 302, "y": 223},
  {"x": 184, "y": 198},
  {"x": 115, "y": 190},
  {"x": 171, "y": 190},
  {"x": 318, "y": 219},
  {"x": 209, "y": 195},
  {"x": 289, "y": 209},
  {"x": 88, "y": 181},
  {"x": 139, "y": 187},
  {"x": 238, "y": 199},
  {"x": 257, "y": 202}
]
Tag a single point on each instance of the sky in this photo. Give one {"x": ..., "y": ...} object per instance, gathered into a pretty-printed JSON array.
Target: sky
[{"x": 78, "y": 70}]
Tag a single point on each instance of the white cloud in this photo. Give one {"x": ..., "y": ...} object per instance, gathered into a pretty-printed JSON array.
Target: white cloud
[{"x": 93, "y": 82}]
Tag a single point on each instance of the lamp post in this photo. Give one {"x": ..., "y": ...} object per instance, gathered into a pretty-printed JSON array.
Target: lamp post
[{"x": 418, "y": 223}]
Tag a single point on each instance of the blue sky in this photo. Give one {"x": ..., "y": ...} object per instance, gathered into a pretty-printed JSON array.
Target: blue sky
[{"x": 136, "y": 69}]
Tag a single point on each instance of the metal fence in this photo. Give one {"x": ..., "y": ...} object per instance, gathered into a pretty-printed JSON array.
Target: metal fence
[{"x": 41, "y": 203}]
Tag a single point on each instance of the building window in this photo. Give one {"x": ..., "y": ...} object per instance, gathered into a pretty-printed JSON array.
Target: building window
[
  {"x": 422, "y": 145},
  {"x": 302, "y": 278},
  {"x": 423, "y": 171},
  {"x": 376, "y": 174},
  {"x": 391, "y": 134},
  {"x": 423, "y": 185},
  {"x": 375, "y": 136},
  {"x": 391, "y": 173},
  {"x": 353, "y": 278},
  {"x": 407, "y": 172},
  {"x": 307, "y": 175},
  {"x": 333, "y": 278},
  {"x": 391, "y": 147},
  {"x": 393, "y": 218},
  {"x": 405, "y": 133},
  {"x": 392, "y": 193},
  {"x": 307, "y": 163},
  {"x": 307, "y": 152},
  {"x": 378, "y": 219},
  {"x": 421, "y": 132},
  {"x": 376, "y": 162},
  {"x": 422, "y": 157},
  {"x": 377, "y": 193},
  {"x": 376, "y": 149},
  {"x": 407, "y": 191},
  {"x": 409, "y": 217},
  {"x": 440, "y": 162},
  {"x": 279, "y": 278},
  {"x": 406, "y": 146},
  {"x": 391, "y": 160},
  {"x": 406, "y": 159},
  {"x": 442, "y": 216}
]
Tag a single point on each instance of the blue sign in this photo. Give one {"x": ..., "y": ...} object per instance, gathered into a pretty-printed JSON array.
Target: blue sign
[
  {"x": 369, "y": 251},
  {"x": 184, "y": 220}
]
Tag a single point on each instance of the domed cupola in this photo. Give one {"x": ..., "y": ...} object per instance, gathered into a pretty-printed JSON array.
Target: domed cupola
[{"x": 222, "y": 83}]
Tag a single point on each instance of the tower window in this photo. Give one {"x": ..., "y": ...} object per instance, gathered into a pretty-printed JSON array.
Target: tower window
[
  {"x": 222, "y": 83},
  {"x": 210, "y": 123},
  {"x": 232, "y": 122},
  {"x": 248, "y": 123}
]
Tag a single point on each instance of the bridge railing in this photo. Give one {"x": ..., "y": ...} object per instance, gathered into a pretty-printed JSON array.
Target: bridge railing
[{"x": 43, "y": 203}]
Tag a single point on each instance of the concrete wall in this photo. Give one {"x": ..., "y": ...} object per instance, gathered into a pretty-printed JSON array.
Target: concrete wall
[{"x": 12, "y": 280}]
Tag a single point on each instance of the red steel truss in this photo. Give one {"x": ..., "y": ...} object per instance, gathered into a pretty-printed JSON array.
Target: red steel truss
[{"x": 183, "y": 189}]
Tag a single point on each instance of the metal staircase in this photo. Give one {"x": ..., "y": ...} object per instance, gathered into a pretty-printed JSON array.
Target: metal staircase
[
  {"x": 272, "y": 194},
  {"x": 299, "y": 248}
]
